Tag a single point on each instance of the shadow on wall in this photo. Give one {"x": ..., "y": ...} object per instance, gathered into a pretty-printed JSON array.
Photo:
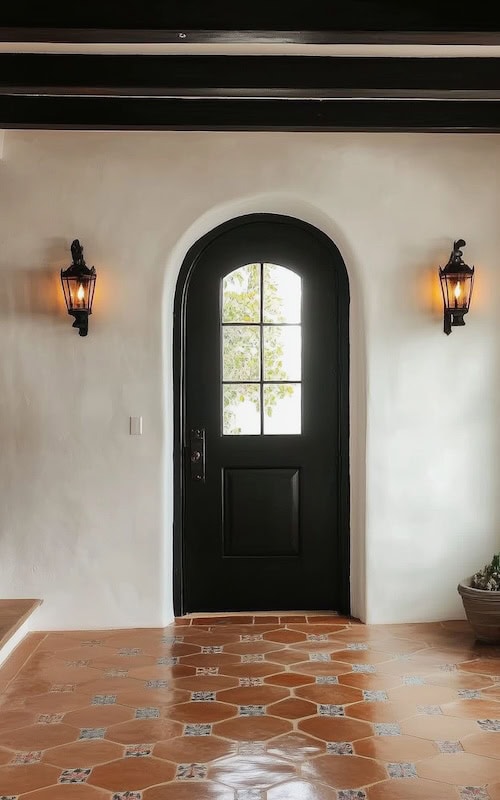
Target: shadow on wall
[{"x": 36, "y": 291}]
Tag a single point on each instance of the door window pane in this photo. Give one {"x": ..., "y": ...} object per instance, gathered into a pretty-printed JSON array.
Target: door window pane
[
  {"x": 261, "y": 350},
  {"x": 241, "y": 295},
  {"x": 282, "y": 408},
  {"x": 282, "y": 295},
  {"x": 282, "y": 353},
  {"x": 241, "y": 409},
  {"x": 241, "y": 353}
]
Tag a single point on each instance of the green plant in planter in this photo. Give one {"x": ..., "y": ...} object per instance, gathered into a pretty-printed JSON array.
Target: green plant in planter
[{"x": 488, "y": 578}]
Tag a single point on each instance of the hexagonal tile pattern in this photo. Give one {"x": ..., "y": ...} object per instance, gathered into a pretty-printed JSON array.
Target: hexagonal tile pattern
[{"x": 255, "y": 707}]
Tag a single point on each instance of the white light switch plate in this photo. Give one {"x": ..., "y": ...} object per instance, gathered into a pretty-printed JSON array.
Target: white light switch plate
[{"x": 136, "y": 426}]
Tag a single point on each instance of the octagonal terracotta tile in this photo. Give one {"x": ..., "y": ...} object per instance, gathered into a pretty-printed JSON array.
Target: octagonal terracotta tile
[
  {"x": 14, "y": 780},
  {"x": 290, "y": 679},
  {"x": 243, "y": 648},
  {"x": 99, "y": 716},
  {"x": 86, "y": 753},
  {"x": 292, "y": 708},
  {"x": 482, "y": 666},
  {"x": 296, "y": 746},
  {"x": 460, "y": 769},
  {"x": 361, "y": 680},
  {"x": 470, "y": 709},
  {"x": 483, "y": 744},
  {"x": 438, "y": 727},
  {"x": 396, "y": 748},
  {"x": 128, "y": 774},
  {"x": 79, "y": 791},
  {"x": 197, "y": 790},
  {"x": 143, "y": 730},
  {"x": 211, "y": 659},
  {"x": 361, "y": 656},
  {"x": 381, "y": 712},
  {"x": 10, "y": 720},
  {"x": 57, "y": 702},
  {"x": 494, "y": 791},
  {"x": 301, "y": 790},
  {"x": 38, "y": 737},
  {"x": 422, "y": 695},
  {"x": 251, "y": 728},
  {"x": 285, "y": 636},
  {"x": 251, "y": 771},
  {"x": 253, "y": 695},
  {"x": 258, "y": 669},
  {"x": 336, "y": 729},
  {"x": 344, "y": 772},
  {"x": 194, "y": 749},
  {"x": 330, "y": 693},
  {"x": 161, "y": 672},
  {"x": 321, "y": 667},
  {"x": 206, "y": 683},
  {"x": 285, "y": 657},
  {"x": 140, "y": 697},
  {"x": 411, "y": 789},
  {"x": 202, "y": 712}
]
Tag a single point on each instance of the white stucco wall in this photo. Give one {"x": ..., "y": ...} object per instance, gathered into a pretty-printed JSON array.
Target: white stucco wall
[{"x": 86, "y": 509}]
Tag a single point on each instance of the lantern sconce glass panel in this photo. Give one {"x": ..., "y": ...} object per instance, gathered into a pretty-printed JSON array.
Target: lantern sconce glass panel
[
  {"x": 78, "y": 283},
  {"x": 457, "y": 281}
]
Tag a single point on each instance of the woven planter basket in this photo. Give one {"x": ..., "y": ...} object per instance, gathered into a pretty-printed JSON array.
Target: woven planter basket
[{"x": 483, "y": 611}]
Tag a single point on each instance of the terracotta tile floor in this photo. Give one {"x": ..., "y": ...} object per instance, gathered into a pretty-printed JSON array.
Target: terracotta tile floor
[{"x": 237, "y": 708}]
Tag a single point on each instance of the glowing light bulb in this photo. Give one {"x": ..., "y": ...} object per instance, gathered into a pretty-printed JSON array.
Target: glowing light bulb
[
  {"x": 458, "y": 290},
  {"x": 81, "y": 295}
]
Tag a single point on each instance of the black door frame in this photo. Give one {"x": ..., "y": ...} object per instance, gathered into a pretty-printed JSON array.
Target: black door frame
[{"x": 179, "y": 336}]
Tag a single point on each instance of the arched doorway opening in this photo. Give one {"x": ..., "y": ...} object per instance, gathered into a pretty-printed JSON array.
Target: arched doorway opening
[{"x": 261, "y": 454}]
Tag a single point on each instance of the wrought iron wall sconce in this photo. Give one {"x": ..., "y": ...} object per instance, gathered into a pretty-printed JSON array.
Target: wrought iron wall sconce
[
  {"x": 457, "y": 281},
  {"x": 78, "y": 282}
]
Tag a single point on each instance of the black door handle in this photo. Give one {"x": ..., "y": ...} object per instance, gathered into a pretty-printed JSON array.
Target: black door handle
[{"x": 197, "y": 453}]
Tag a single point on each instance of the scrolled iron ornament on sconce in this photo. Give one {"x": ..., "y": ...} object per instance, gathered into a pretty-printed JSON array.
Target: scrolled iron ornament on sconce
[
  {"x": 78, "y": 282},
  {"x": 457, "y": 281}
]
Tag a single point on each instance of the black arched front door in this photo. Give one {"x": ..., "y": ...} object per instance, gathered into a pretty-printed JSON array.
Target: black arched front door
[{"x": 261, "y": 366}]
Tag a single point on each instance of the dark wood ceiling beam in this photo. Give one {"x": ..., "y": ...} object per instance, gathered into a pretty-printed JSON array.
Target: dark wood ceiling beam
[
  {"x": 394, "y": 21},
  {"x": 225, "y": 20},
  {"x": 247, "y": 115},
  {"x": 249, "y": 76}
]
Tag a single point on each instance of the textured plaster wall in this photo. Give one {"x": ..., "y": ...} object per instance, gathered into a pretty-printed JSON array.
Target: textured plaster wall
[{"x": 86, "y": 509}]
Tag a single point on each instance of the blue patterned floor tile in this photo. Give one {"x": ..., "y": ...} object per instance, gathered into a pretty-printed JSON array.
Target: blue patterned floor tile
[
  {"x": 448, "y": 746},
  {"x": 340, "y": 748},
  {"x": 489, "y": 724},
  {"x": 77, "y": 775},
  {"x": 330, "y": 710},
  {"x": 103, "y": 700},
  {"x": 402, "y": 769},
  {"x": 92, "y": 733},
  {"x": 138, "y": 750},
  {"x": 387, "y": 729},
  {"x": 205, "y": 697},
  {"x": 375, "y": 695},
  {"x": 186, "y": 772},
  {"x": 252, "y": 711},
  {"x": 197, "y": 729},
  {"x": 147, "y": 713}
]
